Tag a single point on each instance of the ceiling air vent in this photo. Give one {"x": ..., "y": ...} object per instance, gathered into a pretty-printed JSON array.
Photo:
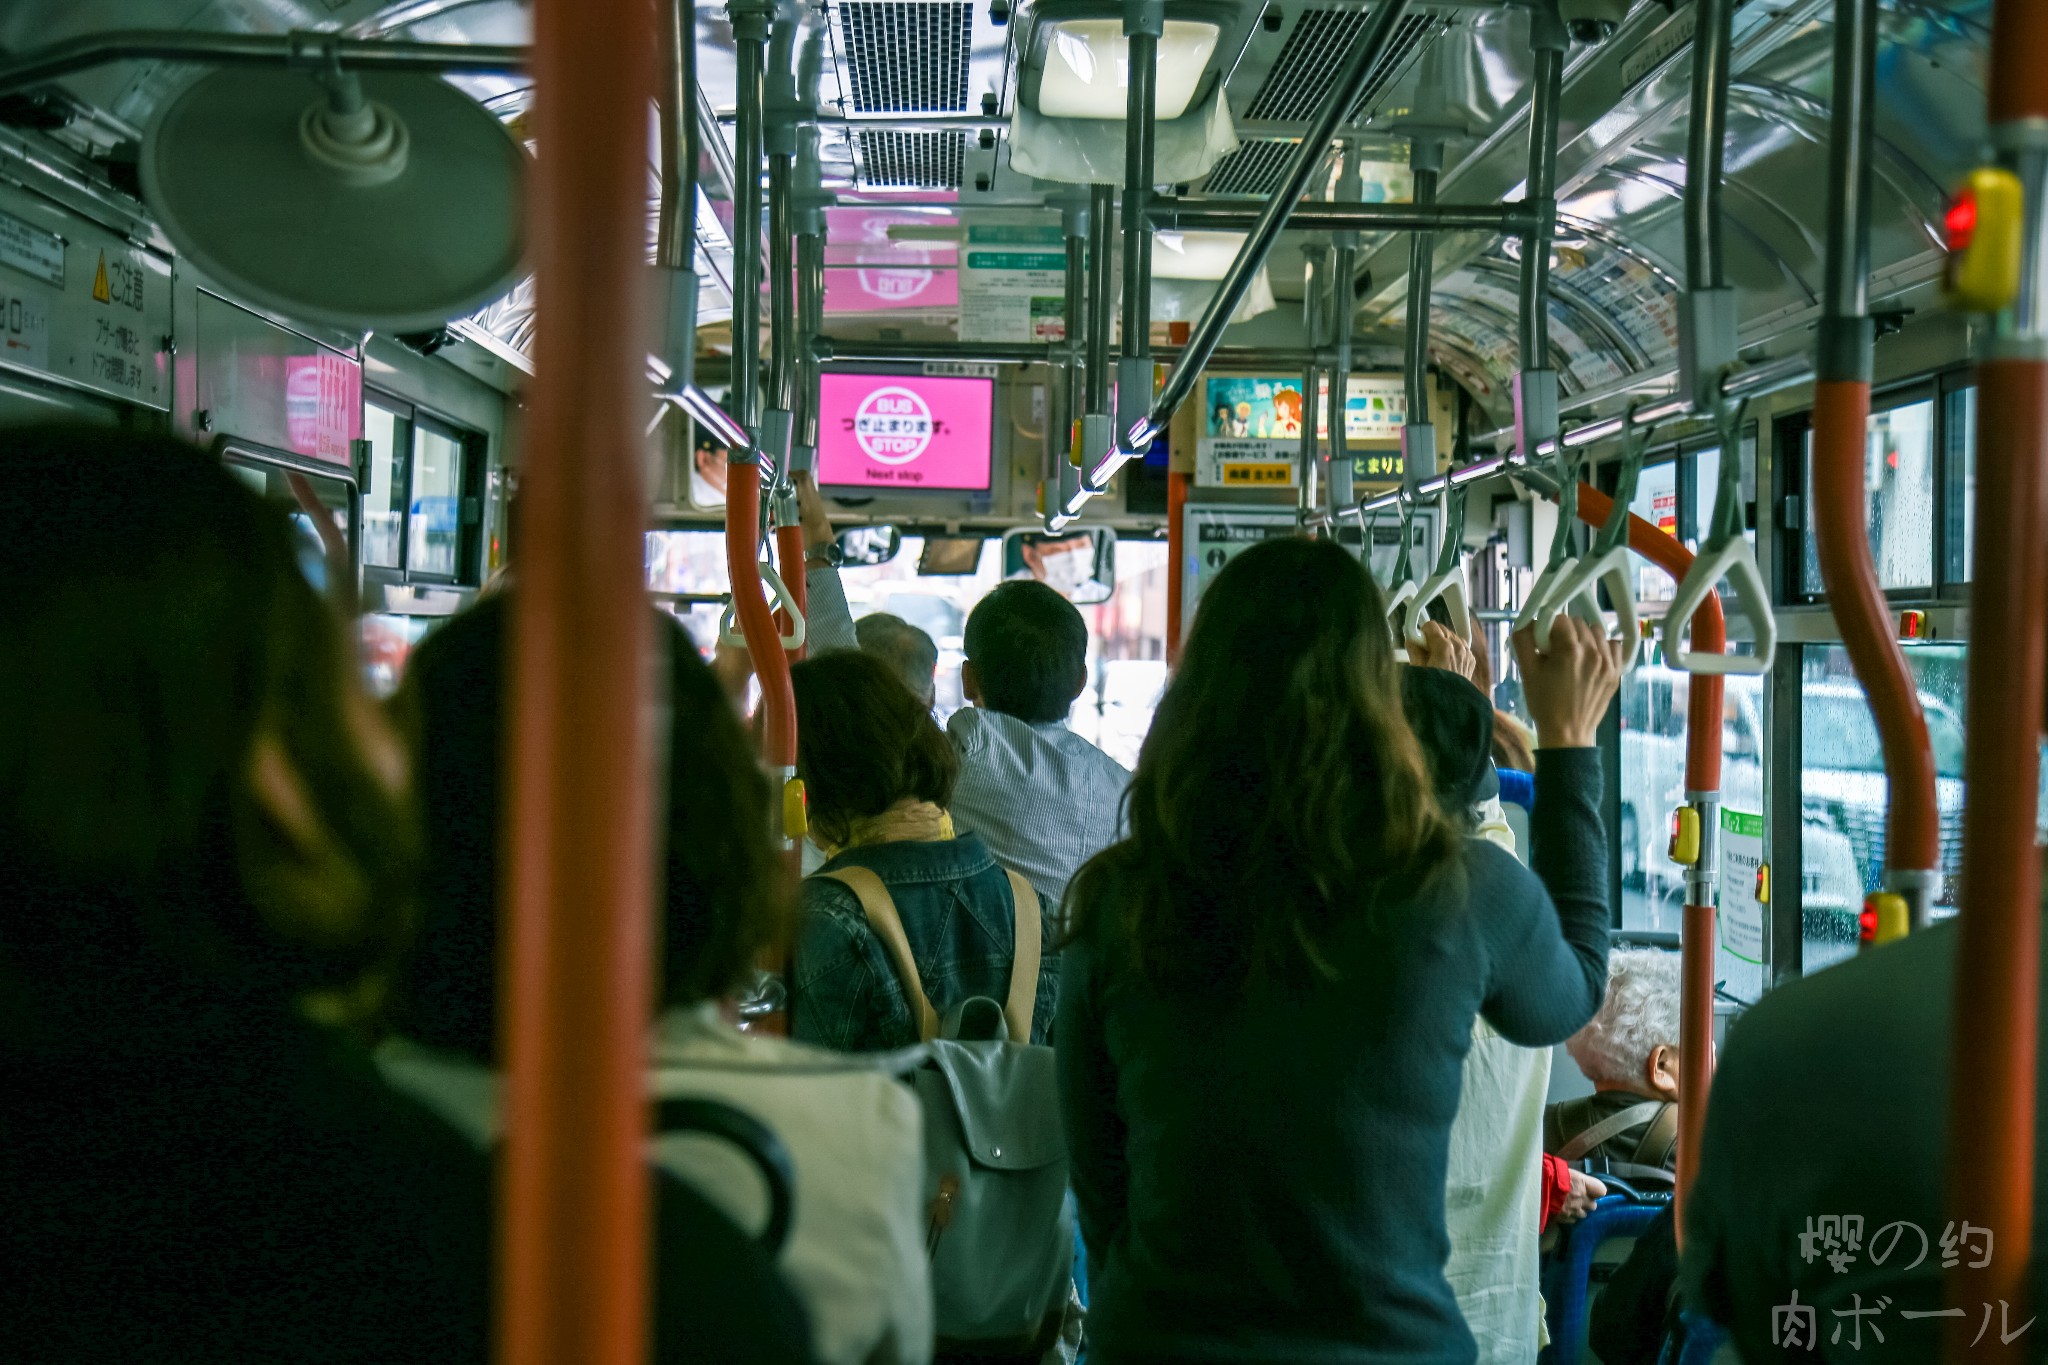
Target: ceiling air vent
[
  {"x": 907, "y": 56},
  {"x": 916, "y": 161},
  {"x": 1315, "y": 49},
  {"x": 1253, "y": 168}
]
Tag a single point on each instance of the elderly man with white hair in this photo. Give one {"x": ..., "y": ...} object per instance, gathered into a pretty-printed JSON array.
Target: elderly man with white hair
[{"x": 1628, "y": 1126}]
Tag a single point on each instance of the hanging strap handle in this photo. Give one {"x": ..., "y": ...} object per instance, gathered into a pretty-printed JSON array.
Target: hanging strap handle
[
  {"x": 1447, "y": 584},
  {"x": 1727, "y": 554},
  {"x": 880, "y": 909},
  {"x": 728, "y": 624},
  {"x": 1403, "y": 587},
  {"x": 1607, "y": 564},
  {"x": 1544, "y": 601}
]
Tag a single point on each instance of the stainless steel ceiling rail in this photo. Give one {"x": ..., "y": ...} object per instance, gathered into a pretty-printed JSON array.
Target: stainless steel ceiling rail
[
  {"x": 751, "y": 25},
  {"x": 1749, "y": 383},
  {"x": 1418, "y": 433},
  {"x": 854, "y": 350},
  {"x": 1144, "y": 24},
  {"x": 1513, "y": 218},
  {"x": 675, "y": 251},
  {"x": 1344, "y": 92},
  {"x": 1535, "y": 382},
  {"x": 314, "y": 51}
]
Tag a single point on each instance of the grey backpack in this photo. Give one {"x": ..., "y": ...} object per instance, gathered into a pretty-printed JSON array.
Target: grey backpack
[{"x": 999, "y": 1235}]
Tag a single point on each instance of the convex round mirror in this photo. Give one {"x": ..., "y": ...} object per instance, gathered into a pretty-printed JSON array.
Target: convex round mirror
[{"x": 869, "y": 545}]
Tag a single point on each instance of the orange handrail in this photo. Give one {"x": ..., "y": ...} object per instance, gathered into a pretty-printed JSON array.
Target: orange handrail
[
  {"x": 572, "y": 1260},
  {"x": 757, "y": 620},
  {"x": 789, "y": 555},
  {"x": 1176, "y": 547},
  {"x": 1841, "y": 533},
  {"x": 1702, "y": 780}
]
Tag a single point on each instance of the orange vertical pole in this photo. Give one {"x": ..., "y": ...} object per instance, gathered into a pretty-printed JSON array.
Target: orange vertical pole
[
  {"x": 1995, "y": 1036},
  {"x": 1991, "y": 1076},
  {"x": 1841, "y": 530},
  {"x": 572, "y": 1271},
  {"x": 1176, "y": 571},
  {"x": 1702, "y": 778},
  {"x": 1841, "y": 518}
]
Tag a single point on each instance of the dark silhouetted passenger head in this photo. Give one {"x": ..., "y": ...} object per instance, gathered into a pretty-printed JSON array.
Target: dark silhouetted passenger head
[
  {"x": 1279, "y": 792},
  {"x": 1027, "y": 652},
  {"x": 904, "y": 648},
  {"x": 195, "y": 793},
  {"x": 1454, "y": 724},
  {"x": 864, "y": 744},
  {"x": 723, "y": 896}
]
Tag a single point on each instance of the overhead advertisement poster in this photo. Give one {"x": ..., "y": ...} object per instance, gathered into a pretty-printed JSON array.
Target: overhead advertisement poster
[
  {"x": 1375, "y": 408},
  {"x": 1251, "y": 436},
  {"x": 1013, "y": 279},
  {"x": 1742, "y": 914},
  {"x": 1252, "y": 429}
]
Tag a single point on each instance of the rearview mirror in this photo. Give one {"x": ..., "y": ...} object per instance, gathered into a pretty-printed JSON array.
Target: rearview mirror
[
  {"x": 867, "y": 546},
  {"x": 1080, "y": 566}
]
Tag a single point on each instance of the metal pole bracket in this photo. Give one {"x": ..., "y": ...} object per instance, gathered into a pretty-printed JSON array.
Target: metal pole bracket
[{"x": 1706, "y": 345}]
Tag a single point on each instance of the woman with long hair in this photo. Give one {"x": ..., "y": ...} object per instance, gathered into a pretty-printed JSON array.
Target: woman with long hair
[{"x": 1272, "y": 982}]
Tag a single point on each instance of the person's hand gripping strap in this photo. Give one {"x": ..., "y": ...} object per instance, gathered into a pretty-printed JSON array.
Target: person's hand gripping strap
[
  {"x": 1607, "y": 563},
  {"x": 1544, "y": 600}
]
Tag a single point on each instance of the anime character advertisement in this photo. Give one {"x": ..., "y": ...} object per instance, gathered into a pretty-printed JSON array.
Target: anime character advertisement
[
  {"x": 1252, "y": 433},
  {"x": 1264, "y": 409}
]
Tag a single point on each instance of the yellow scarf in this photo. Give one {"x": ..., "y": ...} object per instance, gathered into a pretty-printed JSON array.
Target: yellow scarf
[{"x": 908, "y": 821}]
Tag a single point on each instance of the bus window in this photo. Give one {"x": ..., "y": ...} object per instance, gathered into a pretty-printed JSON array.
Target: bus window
[
  {"x": 1899, "y": 492},
  {"x": 1843, "y": 789},
  {"x": 384, "y": 498}
]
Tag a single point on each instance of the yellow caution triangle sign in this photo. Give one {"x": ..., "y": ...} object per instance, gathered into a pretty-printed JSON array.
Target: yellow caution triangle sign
[{"x": 100, "y": 292}]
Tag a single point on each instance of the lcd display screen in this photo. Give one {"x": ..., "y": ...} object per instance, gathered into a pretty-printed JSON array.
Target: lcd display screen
[{"x": 901, "y": 431}]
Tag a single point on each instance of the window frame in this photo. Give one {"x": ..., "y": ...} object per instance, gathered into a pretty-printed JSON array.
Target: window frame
[
  {"x": 402, "y": 414},
  {"x": 1954, "y": 585},
  {"x": 1792, "y": 436},
  {"x": 409, "y": 421},
  {"x": 467, "y": 525},
  {"x": 1785, "y": 718}
]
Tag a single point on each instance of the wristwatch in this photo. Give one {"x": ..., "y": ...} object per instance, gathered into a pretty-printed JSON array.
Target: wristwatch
[{"x": 825, "y": 557}]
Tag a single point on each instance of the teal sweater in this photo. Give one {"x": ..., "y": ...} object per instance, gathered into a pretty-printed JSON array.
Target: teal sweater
[{"x": 1262, "y": 1180}]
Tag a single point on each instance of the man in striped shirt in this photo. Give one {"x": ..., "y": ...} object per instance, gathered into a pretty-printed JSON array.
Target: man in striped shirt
[{"x": 1044, "y": 799}]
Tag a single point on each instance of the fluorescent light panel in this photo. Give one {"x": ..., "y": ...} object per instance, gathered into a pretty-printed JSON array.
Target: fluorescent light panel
[{"x": 1087, "y": 71}]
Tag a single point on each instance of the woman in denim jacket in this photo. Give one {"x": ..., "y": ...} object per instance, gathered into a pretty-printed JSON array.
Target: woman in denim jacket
[{"x": 879, "y": 772}]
